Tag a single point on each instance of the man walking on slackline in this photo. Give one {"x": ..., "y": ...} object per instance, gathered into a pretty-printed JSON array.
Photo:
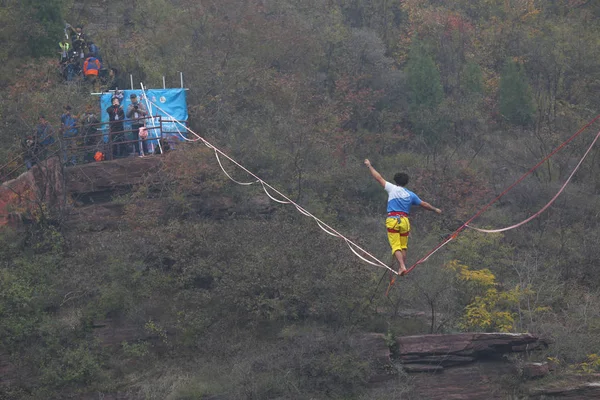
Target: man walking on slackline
[{"x": 399, "y": 203}]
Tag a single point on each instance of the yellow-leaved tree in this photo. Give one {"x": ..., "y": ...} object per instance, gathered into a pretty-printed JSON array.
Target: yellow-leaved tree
[{"x": 488, "y": 307}]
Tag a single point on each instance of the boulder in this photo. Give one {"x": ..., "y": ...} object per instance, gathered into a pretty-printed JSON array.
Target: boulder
[{"x": 535, "y": 370}]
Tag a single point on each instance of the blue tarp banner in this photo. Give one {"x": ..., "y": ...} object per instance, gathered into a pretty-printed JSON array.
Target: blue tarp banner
[{"x": 172, "y": 101}]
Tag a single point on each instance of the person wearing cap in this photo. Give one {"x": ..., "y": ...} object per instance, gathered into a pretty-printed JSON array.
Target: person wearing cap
[
  {"x": 136, "y": 111},
  {"x": 400, "y": 201}
]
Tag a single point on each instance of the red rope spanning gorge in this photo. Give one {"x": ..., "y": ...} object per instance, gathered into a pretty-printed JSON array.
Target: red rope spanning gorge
[{"x": 454, "y": 234}]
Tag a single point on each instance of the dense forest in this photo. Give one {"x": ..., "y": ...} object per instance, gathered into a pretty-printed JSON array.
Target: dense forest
[{"x": 465, "y": 96}]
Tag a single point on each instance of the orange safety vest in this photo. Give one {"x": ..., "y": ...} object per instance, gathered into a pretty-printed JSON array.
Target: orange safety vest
[{"x": 91, "y": 66}]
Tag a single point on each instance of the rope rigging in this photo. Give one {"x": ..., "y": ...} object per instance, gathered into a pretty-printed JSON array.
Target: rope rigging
[
  {"x": 549, "y": 203},
  {"x": 360, "y": 252},
  {"x": 356, "y": 249},
  {"x": 454, "y": 234}
]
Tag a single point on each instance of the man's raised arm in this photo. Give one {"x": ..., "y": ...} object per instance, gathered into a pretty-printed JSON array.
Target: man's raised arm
[{"x": 374, "y": 173}]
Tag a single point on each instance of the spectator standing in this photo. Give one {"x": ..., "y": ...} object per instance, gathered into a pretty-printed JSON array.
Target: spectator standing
[
  {"x": 110, "y": 81},
  {"x": 68, "y": 128},
  {"x": 94, "y": 50},
  {"x": 137, "y": 111},
  {"x": 44, "y": 135},
  {"x": 91, "y": 69},
  {"x": 31, "y": 150},
  {"x": 78, "y": 40},
  {"x": 89, "y": 132},
  {"x": 64, "y": 50},
  {"x": 116, "y": 115},
  {"x": 70, "y": 67}
]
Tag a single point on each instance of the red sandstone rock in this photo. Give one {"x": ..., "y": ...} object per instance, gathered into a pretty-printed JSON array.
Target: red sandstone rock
[
  {"x": 446, "y": 350},
  {"x": 582, "y": 391},
  {"x": 41, "y": 185}
]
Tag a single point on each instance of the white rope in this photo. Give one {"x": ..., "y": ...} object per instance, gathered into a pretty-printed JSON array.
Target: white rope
[
  {"x": 198, "y": 137},
  {"x": 350, "y": 245},
  {"x": 148, "y": 102},
  {"x": 179, "y": 132},
  {"x": 326, "y": 228},
  {"x": 229, "y": 176},
  {"x": 303, "y": 211},
  {"x": 327, "y": 231},
  {"x": 271, "y": 197}
]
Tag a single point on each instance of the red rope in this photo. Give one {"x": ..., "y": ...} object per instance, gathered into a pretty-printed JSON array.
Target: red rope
[{"x": 463, "y": 226}]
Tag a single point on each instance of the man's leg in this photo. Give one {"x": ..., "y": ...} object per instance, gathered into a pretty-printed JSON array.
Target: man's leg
[
  {"x": 401, "y": 257},
  {"x": 404, "y": 229}
]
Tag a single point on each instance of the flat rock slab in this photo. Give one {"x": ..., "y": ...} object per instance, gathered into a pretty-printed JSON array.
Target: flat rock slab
[
  {"x": 108, "y": 175},
  {"x": 582, "y": 391},
  {"x": 480, "y": 380},
  {"x": 447, "y": 350},
  {"x": 466, "y": 366}
]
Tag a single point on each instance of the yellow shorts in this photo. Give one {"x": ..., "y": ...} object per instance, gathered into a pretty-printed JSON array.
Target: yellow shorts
[{"x": 398, "y": 229}]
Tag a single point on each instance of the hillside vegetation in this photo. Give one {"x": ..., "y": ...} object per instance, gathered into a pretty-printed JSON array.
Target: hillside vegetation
[{"x": 465, "y": 96}]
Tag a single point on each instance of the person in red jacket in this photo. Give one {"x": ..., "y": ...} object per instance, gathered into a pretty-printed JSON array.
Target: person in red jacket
[{"x": 91, "y": 69}]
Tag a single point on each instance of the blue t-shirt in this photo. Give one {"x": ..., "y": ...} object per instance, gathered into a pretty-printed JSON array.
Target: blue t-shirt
[{"x": 400, "y": 199}]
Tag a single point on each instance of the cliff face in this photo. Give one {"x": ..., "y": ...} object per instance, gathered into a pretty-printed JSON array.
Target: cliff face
[
  {"x": 41, "y": 186},
  {"x": 464, "y": 366},
  {"x": 457, "y": 366},
  {"x": 86, "y": 192},
  {"x": 473, "y": 366}
]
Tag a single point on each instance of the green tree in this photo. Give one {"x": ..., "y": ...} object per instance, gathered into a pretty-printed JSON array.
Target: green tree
[
  {"x": 42, "y": 25},
  {"x": 423, "y": 78},
  {"x": 472, "y": 80},
  {"x": 516, "y": 101},
  {"x": 426, "y": 92}
]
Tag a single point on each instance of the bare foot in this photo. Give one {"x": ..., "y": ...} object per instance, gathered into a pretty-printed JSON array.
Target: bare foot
[{"x": 402, "y": 271}]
